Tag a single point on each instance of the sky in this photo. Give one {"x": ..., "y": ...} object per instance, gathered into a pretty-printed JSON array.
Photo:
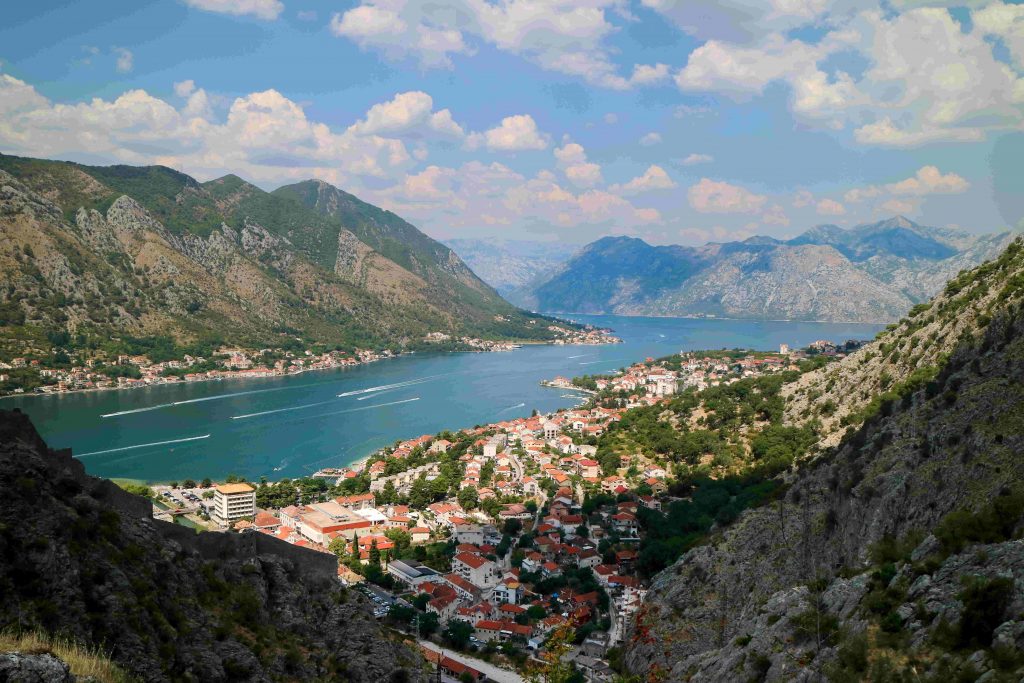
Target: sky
[{"x": 677, "y": 121}]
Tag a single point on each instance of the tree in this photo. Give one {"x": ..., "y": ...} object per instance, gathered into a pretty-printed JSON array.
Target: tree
[
  {"x": 512, "y": 527},
  {"x": 468, "y": 498},
  {"x": 339, "y": 546},
  {"x": 551, "y": 668},
  {"x": 189, "y": 483},
  {"x": 458, "y": 632},
  {"x": 535, "y": 612},
  {"x": 206, "y": 483},
  {"x": 420, "y": 601},
  {"x": 427, "y": 623},
  {"x": 374, "y": 553}
]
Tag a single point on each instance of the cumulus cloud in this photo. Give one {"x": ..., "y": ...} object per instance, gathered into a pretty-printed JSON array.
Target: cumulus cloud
[
  {"x": 265, "y": 135},
  {"x": 695, "y": 158},
  {"x": 929, "y": 180},
  {"x": 261, "y": 9},
  {"x": 830, "y": 207},
  {"x": 926, "y": 78},
  {"x": 654, "y": 178},
  {"x": 572, "y": 159},
  {"x": 564, "y": 36},
  {"x": 711, "y": 196},
  {"x": 184, "y": 88},
  {"x": 514, "y": 134},
  {"x": 408, "y": 114},
  {"x": 380, "y": 26},
  {"x": 903, "y": 196},
  {"x": 650, "y": 139}
]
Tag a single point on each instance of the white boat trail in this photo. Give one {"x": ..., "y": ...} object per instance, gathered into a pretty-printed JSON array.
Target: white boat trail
[
  {"x": 505, "y": 410},
  {"x": 281, "y": 410},
  {"x": 582, "y": 355},
  {"x": 137, "y": 410},
  {"x": 144, "y": 445},
  {"x": 354, "y": 410},
  {"x": 611, "y": 360},
  {"x": 385, "y": 387}
]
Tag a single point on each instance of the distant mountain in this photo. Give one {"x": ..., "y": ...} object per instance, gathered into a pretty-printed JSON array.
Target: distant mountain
[
  {"x": 509, "y": 265},
  {"x": 101, "y": 252},
  {"x": 869, "y": 273}
]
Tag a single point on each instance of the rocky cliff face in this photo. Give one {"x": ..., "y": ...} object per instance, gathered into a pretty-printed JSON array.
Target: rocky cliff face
[
  {"x": 870, "y": 273},
  {"x": 791, "y": 587},
  {"x": 82, "y": 558}
]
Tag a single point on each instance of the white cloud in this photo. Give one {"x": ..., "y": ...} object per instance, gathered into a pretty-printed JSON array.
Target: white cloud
[
  {"x": 515, "y": 134},
  {"x": 905, "y": 196},
  {"x": 184, "y": 88},
  {"x": 261, "y": 9},
  {"x": 926, "y": 78},
  {"x": 650, "y": 139},
  {"x": 611, "y": 118},
  {"x": 409, "y": 114},
  {"x": 382, "y": 27},
  {"x": 654, "y": 178},
  {"x": 695, "y": 158},
  {"x": 710, "y": 196},
  {"x": 803, "y": 198},
  {"x": 307, "y": 15},
  {"x": 649, "y": 74},
  {"x": 125, "y": 60},
  {"x": 1006, "y": 22},
  {"x": 565, "y": 36},
  {"x": 572, "y": 159},
  {"x": 929, "y": 180},
  {"x": 830, "y": 207},
  {"x": 265, "y": 136}
]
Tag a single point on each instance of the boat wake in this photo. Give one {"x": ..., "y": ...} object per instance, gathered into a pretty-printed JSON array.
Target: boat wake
[
  {"x": 144, "y": 445},
  {"x": 505, "y": 410},
  {"x": 582, "y": 355},
  {"x": 137, "y": 410},
  {"x": 280, "y": 410},
  {"x": 610, "y": 360},
  {"x": 385, "y": 387}
]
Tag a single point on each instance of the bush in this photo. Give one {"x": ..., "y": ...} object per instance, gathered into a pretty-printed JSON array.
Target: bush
[{"x": 985, "y": 604}]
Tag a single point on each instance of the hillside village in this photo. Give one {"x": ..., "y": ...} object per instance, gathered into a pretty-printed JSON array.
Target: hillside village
[{"x": 497, "y": 536}]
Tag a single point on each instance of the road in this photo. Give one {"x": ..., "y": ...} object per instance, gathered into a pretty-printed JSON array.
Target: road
[{"x": 492, "y": 672}]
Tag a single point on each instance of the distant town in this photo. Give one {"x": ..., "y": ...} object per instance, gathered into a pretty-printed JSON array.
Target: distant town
[
  {"x": 492, "y": 539},
  {"x": 43, "y": 372}
]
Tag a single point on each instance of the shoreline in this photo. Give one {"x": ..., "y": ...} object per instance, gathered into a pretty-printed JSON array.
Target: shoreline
[{"x": 41, "y": 394}]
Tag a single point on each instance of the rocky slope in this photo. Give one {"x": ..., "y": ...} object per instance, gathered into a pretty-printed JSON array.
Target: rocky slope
[
  {"x": 83, "y": 559},
  {"x": 870, "y": 273},
  {"x": 838, "y": 578},
  {"x": 104, "y": 251}
]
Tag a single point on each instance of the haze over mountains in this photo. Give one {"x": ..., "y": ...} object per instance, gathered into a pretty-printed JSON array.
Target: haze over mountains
[
  {"x": 150, "y": 251},
  {"x": 870, "y": 273}
]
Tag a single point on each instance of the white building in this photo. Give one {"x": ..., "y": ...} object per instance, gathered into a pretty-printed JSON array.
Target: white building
[{"x": 233, "y": 501}]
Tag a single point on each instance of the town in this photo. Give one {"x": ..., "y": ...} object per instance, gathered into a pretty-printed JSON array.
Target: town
[
  {"x": 45, "y": 372},
  {"x": 491, "y": 540}
]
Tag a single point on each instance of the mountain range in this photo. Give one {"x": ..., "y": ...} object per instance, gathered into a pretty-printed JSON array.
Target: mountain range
[
  {"x": 96, "y": 252},
  {"x": 511, "y": 265},
  {"x": 870, "y": 273}
]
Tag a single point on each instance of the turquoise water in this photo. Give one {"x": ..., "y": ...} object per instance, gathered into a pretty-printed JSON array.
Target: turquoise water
[{"x": 292, "y": 426}]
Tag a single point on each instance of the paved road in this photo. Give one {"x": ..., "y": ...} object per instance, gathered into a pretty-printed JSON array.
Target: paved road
[{"x": 492, "y": 672}]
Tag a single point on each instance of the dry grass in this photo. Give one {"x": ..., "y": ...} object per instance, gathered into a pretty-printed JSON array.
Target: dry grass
[{"x": 84, "y": 661}]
